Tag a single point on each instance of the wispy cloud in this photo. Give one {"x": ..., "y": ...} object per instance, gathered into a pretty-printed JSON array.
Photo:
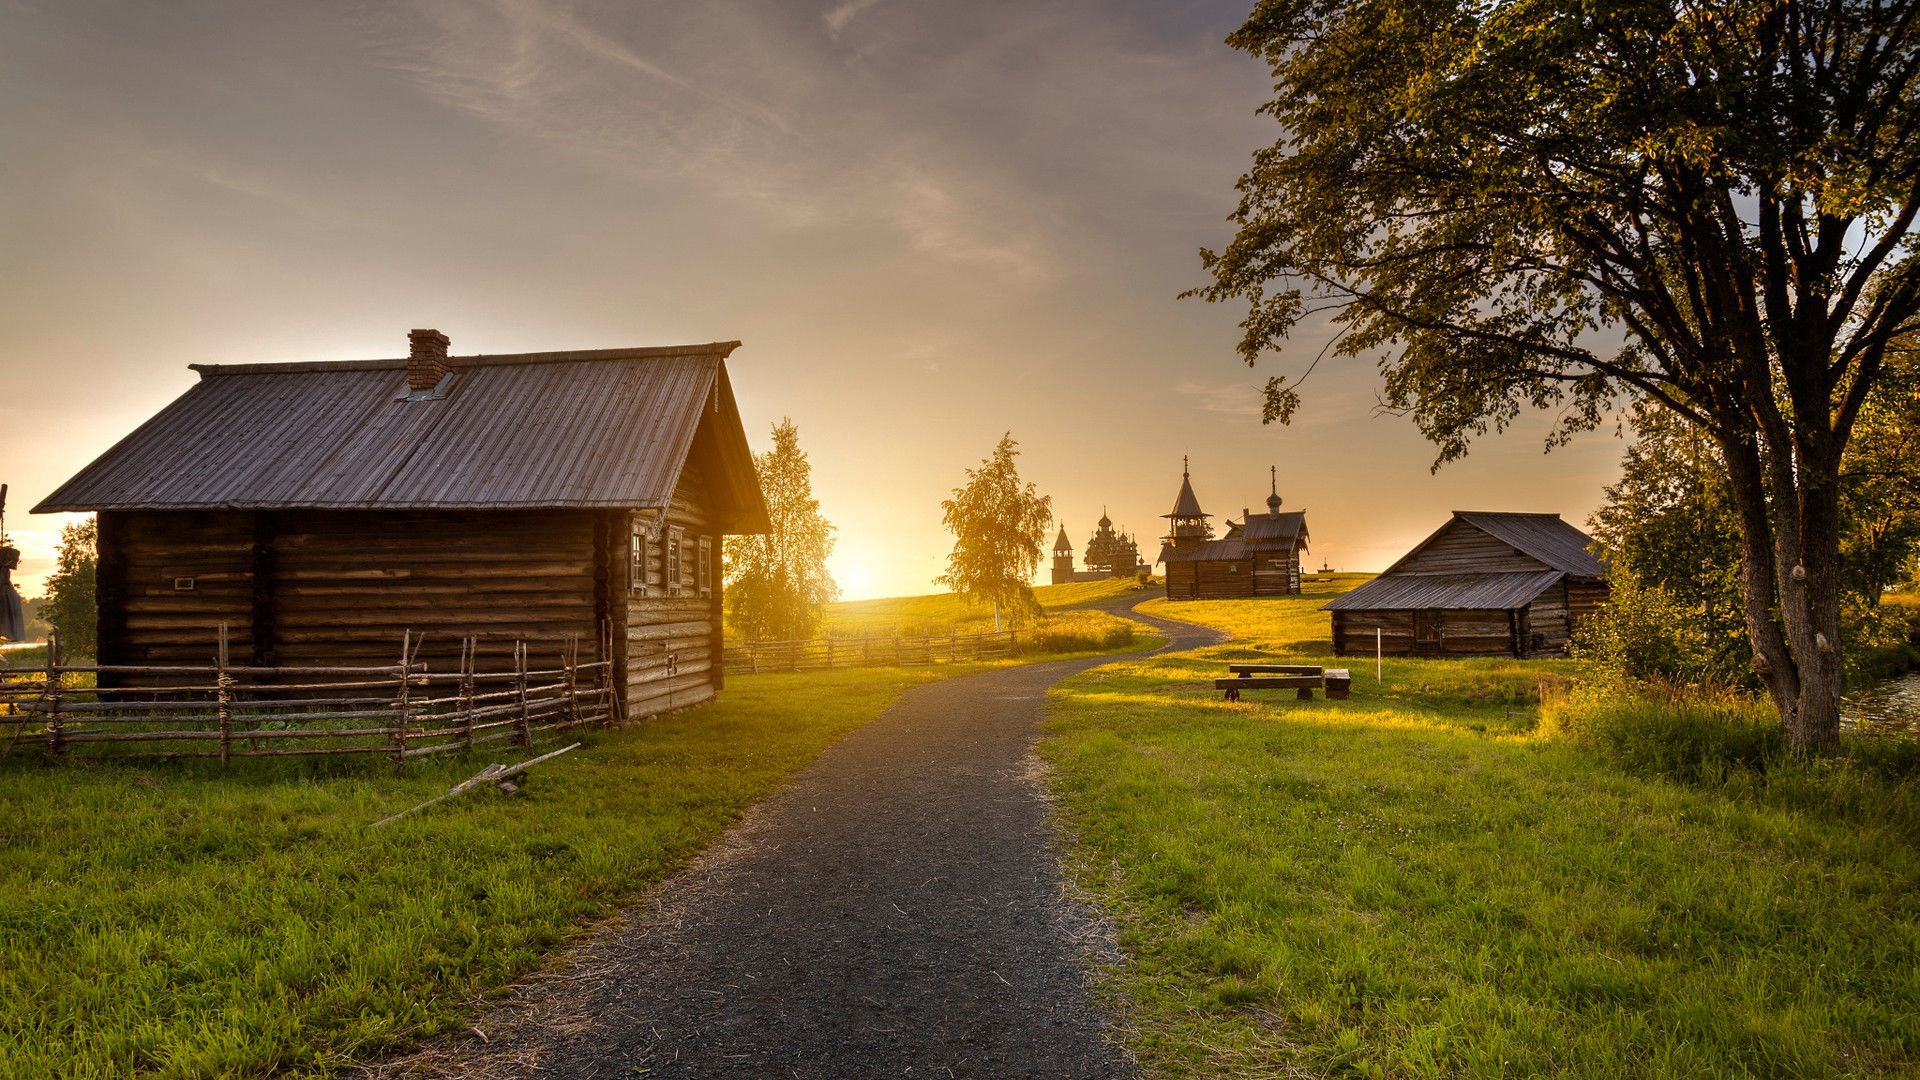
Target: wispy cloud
[
  {"x": 737, "y": 123},
  {"x": 1227, "y": 400},
  {"x": 842, "y": 13}
]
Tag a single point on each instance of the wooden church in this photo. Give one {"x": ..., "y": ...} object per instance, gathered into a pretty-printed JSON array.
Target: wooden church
[
  {"x": 318, "y": 511},
  {"x": 1259, "y": 555}
]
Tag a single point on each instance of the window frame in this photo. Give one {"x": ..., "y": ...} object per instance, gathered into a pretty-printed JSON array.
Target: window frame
[
  {"x": 639, "y": 556},
  {"x": 703, "y": 569},
  {"x": 675, "y": 553}
]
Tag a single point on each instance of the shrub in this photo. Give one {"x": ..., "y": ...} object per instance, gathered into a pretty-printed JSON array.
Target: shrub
[
  {"x": 1644, "y": 633},
  {"x": 1079, "y": 631},
  {"x": 1685, "y": 734}
]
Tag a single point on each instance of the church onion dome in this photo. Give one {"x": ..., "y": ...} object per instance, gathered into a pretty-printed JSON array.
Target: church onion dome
[{"x": 1105, "y": 521}]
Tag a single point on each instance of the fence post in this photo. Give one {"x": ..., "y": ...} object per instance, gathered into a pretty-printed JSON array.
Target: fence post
[
  {"x": 793, "y": 655},
  {"x": 753, "y": 656},
  {"x": 50, "y": 699},
  {"x": 524, "y": 735},
  {"x": 829, "y": 652},
  {"x": 223, "y": 698},
  {"x": 616, "y": 709},
  {"x": 953, "y": 643},
  {"x": 573, "y": 684},
  {"x": 468, "y": 647},
  {"x": 402, "y": 703}
]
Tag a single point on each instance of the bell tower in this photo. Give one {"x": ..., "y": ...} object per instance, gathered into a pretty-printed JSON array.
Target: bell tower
[
  {"x": 1062, "y": 558},
  {"x": 1189, "y": 523}
]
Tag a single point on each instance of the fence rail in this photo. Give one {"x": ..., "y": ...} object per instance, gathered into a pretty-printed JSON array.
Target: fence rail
[
  {"x": 819, "y": 654},
  {"x": 401, "y": 710}
]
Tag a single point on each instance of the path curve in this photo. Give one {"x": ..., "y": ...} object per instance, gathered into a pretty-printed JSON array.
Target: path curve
[{"x": 897, "y": 910}]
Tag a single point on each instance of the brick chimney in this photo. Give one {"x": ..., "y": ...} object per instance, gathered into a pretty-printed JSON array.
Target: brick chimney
[{"x": 426, "y": 359}]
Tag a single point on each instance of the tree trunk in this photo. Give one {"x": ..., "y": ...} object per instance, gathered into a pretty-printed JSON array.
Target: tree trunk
[{"x": 1790, "y": 584}]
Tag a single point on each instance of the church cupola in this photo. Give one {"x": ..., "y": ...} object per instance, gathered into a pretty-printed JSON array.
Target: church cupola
[
  {"x": 1273, "y": 499},
  {"x": 1189, "y": 521}
]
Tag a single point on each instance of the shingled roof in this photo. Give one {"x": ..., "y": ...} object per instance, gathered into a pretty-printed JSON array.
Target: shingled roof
[
  {"x": 1543, "y": 536},
  {"x": 606, "y": 428},
  {"x": 1426, "y": 592},
  {"x": 1186, "y": 504}
]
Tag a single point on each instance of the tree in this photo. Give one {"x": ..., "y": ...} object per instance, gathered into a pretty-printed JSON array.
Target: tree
[
  {"x": 68, "y": 605},
  {"x": 777, "y": 584},
  {"x": 999, "y": 528},
  {"x": 1551, "y": 203},
  {"x": 1670, "y": 536},
  {"x": 1880, "y": 486}
]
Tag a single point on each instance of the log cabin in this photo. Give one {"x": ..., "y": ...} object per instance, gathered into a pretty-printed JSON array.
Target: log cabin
[
  {"x": 319, "y": 511},
  {"x": 1484, "y": 584},
  {"x": 1259, "y": 556}
]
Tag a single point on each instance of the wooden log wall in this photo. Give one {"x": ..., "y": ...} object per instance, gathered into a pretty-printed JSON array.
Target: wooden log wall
[
  {"x": 166, "y": 581},
  {"x": 1583, "y": 599},
  {"x": 674, "y": 645},
  {"x": 1448, "y": 633},
  {"x": 1463, "y": 549},
  {"x": 315, "y": 587},
  {"x": 1276, "y": 573},
  {"x": 1547, "y": 622},
  {"x": 1216, "y": 580},
  {"x": 346, "y": 583}
]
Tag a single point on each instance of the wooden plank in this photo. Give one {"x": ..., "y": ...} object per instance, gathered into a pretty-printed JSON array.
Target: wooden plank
[{"x": 1270, "y": 682}]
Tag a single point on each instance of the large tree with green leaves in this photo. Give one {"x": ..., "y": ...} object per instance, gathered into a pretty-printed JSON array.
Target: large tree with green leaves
[
  {"x": 1552, "y": 203},
  {"x": 999, "y": 528},
  {"x": 69, "y": 605},
  {"x": 777, "y": 583}
]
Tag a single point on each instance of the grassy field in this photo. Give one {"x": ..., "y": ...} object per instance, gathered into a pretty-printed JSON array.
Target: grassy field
[
  {"x": 165, "y": 920},
  {"x": 941, "y": 613},
  {"x": 1417, "y": 882}
]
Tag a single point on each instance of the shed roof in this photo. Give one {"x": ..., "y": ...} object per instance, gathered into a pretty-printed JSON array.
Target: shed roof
[
  {"x": 1423, "y": 592},
  {"x": 605, "y": 428},
  {"x": 1263, "y": 529},
  {"x": 1543, "y": 536},
  {"x": 1205, "y": 551}
]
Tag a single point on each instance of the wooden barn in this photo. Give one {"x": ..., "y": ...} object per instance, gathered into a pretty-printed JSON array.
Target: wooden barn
[
  {"x": 1482, "y": 585},
  {"x": 320, "y": 510},
  {"x": 1259, "y": 556}
]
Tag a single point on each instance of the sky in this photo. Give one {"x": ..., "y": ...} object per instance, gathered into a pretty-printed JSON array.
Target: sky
[{"x": 929, "y": 224}]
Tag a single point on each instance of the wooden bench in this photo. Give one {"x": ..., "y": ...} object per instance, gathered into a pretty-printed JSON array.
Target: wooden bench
[
  {"x": 1302, "y": 683},
  {"x": 1274, "y": 669}
]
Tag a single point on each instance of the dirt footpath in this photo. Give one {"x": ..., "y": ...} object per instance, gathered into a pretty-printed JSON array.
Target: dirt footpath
[{"x": 897, "y": 911}]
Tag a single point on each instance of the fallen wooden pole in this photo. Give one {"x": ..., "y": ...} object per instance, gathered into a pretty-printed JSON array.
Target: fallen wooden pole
[{"x": 491, "y": 774}]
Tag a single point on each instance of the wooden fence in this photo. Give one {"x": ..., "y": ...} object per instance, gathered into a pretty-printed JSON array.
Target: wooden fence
[
  {"x": 400, "y": 710},
  {"x": 818, "y": 654}
]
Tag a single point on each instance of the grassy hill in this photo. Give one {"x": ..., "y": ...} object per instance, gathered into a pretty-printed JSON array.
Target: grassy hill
[{"x": 941, "y": 613}]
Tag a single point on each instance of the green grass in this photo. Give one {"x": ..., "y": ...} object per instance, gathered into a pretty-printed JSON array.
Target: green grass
[
  {"x": 940, "y": 613},
  {"x": 1416, "y": 882},
  {"x": 166, "y": 920}
]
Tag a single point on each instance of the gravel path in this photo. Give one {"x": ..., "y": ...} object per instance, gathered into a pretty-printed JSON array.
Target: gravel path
[{"x": 897, "y": 911}]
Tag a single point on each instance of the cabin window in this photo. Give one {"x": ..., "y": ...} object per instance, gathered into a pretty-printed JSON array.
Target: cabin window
[
  {"x": 675, "y": 538},
  {"x": 703, "y": 570},
  {"x": 637, "y": 569}
]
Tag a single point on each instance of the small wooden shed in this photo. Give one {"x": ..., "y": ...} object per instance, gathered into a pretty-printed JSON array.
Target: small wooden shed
[
  {"x": 1484, "y": 584},
  {"x": 320, "y": 510}
]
